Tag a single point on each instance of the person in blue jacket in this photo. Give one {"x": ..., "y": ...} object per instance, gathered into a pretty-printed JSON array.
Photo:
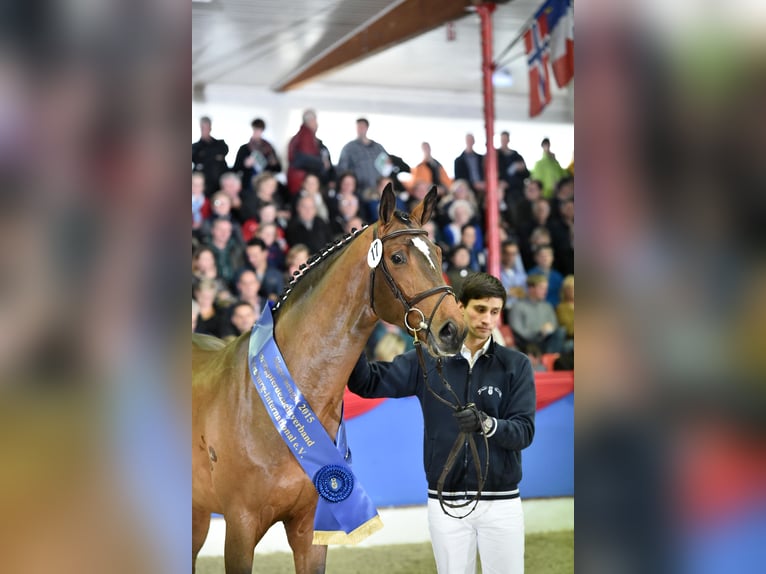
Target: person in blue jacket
[{"x": 492, "y": 395}]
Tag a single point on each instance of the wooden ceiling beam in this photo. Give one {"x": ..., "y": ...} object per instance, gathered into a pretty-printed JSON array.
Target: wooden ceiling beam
[{"x": 399, "y": 23}]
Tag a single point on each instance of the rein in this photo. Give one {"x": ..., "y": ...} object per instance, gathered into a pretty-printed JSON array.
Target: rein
[{"x": 462, "y": 437}]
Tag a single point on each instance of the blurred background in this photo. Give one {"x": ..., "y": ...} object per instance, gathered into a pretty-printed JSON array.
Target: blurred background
[{"x": 670, "y": 129}]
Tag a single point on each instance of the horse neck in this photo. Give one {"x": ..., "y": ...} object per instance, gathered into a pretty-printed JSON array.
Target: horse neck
[{"x": 323, "y": 331}]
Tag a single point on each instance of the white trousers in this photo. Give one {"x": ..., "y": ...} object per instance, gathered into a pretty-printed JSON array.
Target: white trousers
[{"x": 496, "y": 527}]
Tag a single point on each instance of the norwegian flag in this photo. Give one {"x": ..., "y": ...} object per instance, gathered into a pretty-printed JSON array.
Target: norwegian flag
[{"x": 536, "y": 40}]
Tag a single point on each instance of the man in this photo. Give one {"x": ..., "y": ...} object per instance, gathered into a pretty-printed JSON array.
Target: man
[
  {"x": 256, "y": 156},
  {"x": 209, "y": 156},
  {"x": 533, "y": 320},
  {"x": 469, "y": 166},
  {"x": 269, "y": 279},
  {"x": 429, "y": 171},
  {"x": 307, "y": 154},
  {"x": 512, "y": 273},
  {"x": 500, "y": 383},
  {"x": 226, "y": 249},
  {"x": 511, "y": 169},
  {"x": 365, "y": 158},
  {"x": 547, "y": 170},
  {"x": 307, "y": 227}
]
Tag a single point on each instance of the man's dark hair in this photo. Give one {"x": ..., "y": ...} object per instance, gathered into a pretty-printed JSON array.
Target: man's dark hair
[
  {"x": 258, "y": 123},
  {"x": 509, "y": 243},
  {"x": 505, "y": 133},
  {"x": 363, "y": 121},
  {"x": 481, "y": 286},
  {"x": 545, "y": 141},
  {"x": 257, "y": 241}
]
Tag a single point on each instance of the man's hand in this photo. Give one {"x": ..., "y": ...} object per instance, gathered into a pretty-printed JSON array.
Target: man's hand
[{"x": 470, "y": 419}]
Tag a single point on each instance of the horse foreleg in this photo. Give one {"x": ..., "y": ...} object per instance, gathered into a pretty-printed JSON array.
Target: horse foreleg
[
  {"x": 243, "y": 531},
  {"x": 309, "y": 558},
  {"x": 200, "y": 526}
]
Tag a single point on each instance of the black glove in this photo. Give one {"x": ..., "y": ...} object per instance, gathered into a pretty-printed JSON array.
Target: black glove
[{"x": 470, "y": 419}]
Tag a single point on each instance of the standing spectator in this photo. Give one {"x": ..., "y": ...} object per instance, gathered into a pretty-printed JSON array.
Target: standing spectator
[
  {"x": 544, "y": 267},
  {"x": 307, "y": 154},
  {"x": 209, "y": 156},
  {"x": 469, "y": 166},
  {"x": 498, "y": 384},
  {"x": 367, "y": 159},
  {"x": 547, "y": 169},
  {"x": 228, "y": 253},
  {"x": 533, "y": 320},
  {"x": 256, "y": 156},
  {"x": 429, "y": 171},
  {"x": 270, "y": 278},
  {"x": 512, "y": 170},
  {"x": 512, "y": 273}
]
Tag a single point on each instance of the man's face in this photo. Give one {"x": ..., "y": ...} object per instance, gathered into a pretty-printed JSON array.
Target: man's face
[
  {"x": 532, "y": 191},
  {"x": 361, "y": 129},
  {"x": 248, "y": 284},
  {"x": 544, "y": 257},
  {"x": 509, "y": 255},
  {"x": 204, "y": 128},
  {"x": 221, "y": 230},
  {"x": 198, "y": 185},
  {"x": 481, "y": 316},
  {"x": 243, "y": 318},
  {"x": 231, "y": 186},
  {"x": 538, "y": 292},
  {"x": 307, "y": 209},
  {"x": 255, "y": 255},
  {"x": 469, "y": 141},
  {"x": 504, "y": 139}
]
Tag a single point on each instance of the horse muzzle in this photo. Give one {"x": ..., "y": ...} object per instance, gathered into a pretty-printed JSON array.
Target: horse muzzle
[{"x": 447, "y": 341}]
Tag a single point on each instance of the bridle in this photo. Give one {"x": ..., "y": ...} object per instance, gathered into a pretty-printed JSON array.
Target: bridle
[
  {"x": 408, "y": 304},
  {"x": 409, "y": 307}
]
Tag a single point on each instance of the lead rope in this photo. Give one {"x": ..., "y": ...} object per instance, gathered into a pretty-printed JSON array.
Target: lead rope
[{"x": 461, "y": 439}]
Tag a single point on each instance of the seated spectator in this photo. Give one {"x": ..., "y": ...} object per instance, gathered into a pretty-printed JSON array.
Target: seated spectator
[
  {"x": 211, "y": 315},
  {"x": 544, "y": 260},
  {"x": 307, "y": 227},
  {"x": 195, "y": 314},
  {"x": 565, "y": 309},
  {"x": 512, "y": 274},
  {"x": 540, "y": 237},
  {"x": 459, "y": 267},
  {"x": 200, "y": 204},
  {"x": 271, "y": 235},
  {"x": 562, "y": 238},
  {"x": 458, "y": 190},
  {"x": 346, "y": 188},
  {"x": 221, "y": 209},
  {"x": 296, "y": 258},
  {"x": 478, "y": 255},
  {"x": 536, "y": 358},
  {"x": 371, "y": 200},
  {"x": 242, "y": 317},
  {"x": 348, "y": 209},
  {"x": 533, "y": 320},
  {"x": 312, "y": 188},
  {"x": 231, "y": 186},
  {"x": 264, "y": 190},
  {"x": 460, "y": 213},
  {"x": 226, "y": 249},
  {"x": 270, "y": 278}
]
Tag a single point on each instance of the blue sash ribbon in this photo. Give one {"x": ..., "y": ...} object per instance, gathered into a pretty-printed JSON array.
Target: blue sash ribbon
[{"x": 345, "y": 514}]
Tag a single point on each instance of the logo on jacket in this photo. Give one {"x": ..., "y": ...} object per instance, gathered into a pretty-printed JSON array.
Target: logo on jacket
[{"x": 491, "y": 391}]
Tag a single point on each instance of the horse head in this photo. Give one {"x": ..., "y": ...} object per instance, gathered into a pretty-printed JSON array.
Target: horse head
[{"x": 407, "y": 286}]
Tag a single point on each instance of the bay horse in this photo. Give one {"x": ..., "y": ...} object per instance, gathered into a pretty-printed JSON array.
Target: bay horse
[{"x": 241, "y": 467}]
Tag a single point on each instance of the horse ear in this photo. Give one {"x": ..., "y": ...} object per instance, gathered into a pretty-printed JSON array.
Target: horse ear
[
  {"x": 387, "y": 204},
  {"x": 425, "y": 209}
]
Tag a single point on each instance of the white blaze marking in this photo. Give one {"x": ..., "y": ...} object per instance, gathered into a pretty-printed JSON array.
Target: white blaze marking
[{"x": 423, "y": 248}]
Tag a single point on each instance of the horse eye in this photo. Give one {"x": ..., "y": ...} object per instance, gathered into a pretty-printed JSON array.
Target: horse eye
[{"x": 397, "y": 259}]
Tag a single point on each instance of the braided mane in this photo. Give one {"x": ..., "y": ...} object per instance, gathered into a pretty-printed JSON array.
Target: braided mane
[{"x": 332, "y": 248}]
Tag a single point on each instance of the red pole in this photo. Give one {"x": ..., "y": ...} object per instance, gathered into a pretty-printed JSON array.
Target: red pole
[{"x": 490, "y": 160}]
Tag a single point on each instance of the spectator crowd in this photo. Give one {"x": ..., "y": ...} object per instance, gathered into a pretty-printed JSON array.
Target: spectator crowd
[{"x": 255, "y": 222}]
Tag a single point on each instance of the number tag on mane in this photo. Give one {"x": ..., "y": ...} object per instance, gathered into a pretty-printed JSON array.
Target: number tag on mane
[{"x": 375, "y": 254}]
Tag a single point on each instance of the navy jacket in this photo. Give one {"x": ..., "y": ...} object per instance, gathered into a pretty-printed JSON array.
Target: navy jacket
[{"x": 501, "y": 384}]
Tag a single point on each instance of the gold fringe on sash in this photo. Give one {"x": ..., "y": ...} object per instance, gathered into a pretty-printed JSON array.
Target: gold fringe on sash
[{"x": 325, "y": 537}]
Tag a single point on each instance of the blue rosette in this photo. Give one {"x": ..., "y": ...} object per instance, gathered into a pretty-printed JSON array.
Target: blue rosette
[{"x": 334, "y": 483}]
